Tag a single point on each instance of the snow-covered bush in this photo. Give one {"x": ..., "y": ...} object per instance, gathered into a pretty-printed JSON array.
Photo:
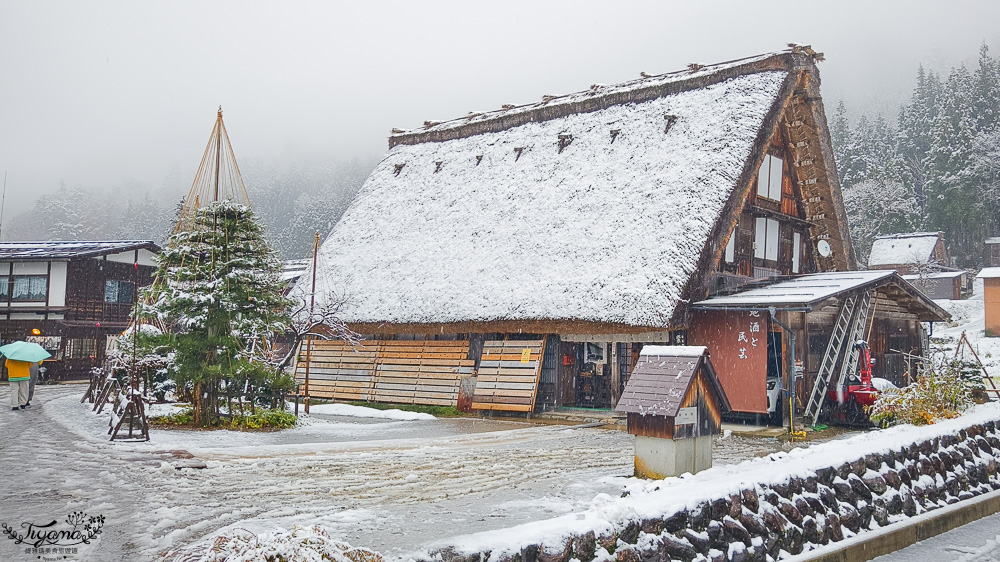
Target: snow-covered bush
[
  {"x": 940, "y": 392},
  {"x": 300, "y": 544},
  {"x": 153, "y": 358}
]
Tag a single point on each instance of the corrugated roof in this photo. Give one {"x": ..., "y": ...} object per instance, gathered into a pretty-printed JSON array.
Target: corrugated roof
[
  {"x": 938, "y": 275},
  {"x": 69, "y": 248},
  {"x": 599, "y": 216},
  {"x": 800, "y": 291},
  {"x": 808, "y": 290},
  {"x": 293, "y": 269}
]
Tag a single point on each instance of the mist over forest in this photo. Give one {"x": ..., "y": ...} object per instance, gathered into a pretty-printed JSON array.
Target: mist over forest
[
  {"x": 294, "y": 199},
  {"x": 113, "y": 101}
]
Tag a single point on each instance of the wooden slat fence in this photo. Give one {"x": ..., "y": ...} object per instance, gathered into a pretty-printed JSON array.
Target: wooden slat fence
[
  {"x": 396, "y": 372},
  {"x": 508, "y": 375}
]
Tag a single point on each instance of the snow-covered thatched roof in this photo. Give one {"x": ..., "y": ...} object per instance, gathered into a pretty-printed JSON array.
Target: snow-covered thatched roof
[
  {"x": 897, "y": 249},
  {"x": 595, "y": 207}
]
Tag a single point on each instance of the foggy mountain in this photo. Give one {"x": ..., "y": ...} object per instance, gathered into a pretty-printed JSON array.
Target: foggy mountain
[{"x": 107, "y": 105}]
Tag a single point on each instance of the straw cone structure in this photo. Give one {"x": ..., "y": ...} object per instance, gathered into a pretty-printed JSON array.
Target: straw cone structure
[{"x": 218, "y": 177}]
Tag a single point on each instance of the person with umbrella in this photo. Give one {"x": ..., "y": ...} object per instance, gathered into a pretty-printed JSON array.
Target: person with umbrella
[{"x": 20, "y": 356}]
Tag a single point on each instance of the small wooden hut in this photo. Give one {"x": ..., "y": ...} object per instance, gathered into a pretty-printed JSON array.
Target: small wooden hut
[
  {"x": 909, "y": 253},
  {"x": 674, "y": 404},
  {"x": 991, "y": 298}
]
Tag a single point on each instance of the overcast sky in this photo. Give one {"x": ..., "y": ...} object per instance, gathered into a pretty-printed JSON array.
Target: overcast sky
[{"x": 105, "y": 93}]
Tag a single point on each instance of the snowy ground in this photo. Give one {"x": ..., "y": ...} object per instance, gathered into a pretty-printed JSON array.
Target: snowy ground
[
  {"x": 969, "y": 316},
  {"x": 392, "y": 485}
]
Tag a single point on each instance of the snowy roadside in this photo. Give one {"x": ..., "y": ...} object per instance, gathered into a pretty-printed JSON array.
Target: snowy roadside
[
  {"x": 652, "y": 499},
  {"x": 969, "y": 316}
]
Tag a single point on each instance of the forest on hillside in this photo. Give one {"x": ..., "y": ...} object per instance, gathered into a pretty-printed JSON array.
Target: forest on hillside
[
  {"x": 294, "y": 201},
  {"x": 935, "y": 167}
]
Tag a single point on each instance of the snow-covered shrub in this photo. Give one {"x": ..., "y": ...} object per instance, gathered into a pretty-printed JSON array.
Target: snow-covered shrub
[
  {"x": 940, "y": 392},
  {"x": 153, "y": 358},
  {"x": 300, "y": 544}
]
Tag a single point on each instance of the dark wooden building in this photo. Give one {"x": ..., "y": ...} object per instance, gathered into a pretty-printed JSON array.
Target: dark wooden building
[
  {"x": 808, "y": 325},
  {"x": 71, "y": 296}
]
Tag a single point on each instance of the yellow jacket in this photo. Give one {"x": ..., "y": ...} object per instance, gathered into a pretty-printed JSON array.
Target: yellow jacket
[{"x": 18, "y": 370}]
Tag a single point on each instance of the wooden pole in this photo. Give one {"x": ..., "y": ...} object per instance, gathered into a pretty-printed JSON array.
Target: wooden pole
[
  {"x": 218, "y": 153},
  {"x": 135, "y": 325},
  {"x": 312, "y": 308}
]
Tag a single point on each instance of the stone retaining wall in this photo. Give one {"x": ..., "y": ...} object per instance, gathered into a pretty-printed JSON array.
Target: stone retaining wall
[{"x": 773, "y": 521}]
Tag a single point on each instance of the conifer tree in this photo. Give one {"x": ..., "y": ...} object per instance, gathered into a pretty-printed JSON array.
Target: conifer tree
[{"x": 219, "y": 291}]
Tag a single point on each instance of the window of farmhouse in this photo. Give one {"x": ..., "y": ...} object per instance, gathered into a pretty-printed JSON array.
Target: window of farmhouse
[
  {"x": 731, "y": 247},
  {"x": 765, "y": 242},
  {"x": 80, "y": 348},
  {"x": 769, "y": 178},
  {"x": 29, "y": 288},
  {"x": 118, "y": 291}
]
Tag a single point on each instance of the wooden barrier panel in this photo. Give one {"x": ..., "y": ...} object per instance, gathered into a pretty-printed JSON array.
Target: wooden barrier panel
[
  {"x": 396, "y": 372},
  {"x": 508, "y": 376}
]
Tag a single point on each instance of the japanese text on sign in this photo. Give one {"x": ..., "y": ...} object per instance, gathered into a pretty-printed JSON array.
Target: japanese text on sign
[{"x": 742, "y": 338}]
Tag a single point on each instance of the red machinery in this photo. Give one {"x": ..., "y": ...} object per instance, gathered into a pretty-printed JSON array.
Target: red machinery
[{"x": 846, "y": 405}]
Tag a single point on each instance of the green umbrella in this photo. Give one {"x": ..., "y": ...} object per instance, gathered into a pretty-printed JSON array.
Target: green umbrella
[{"x": 24, "y": 351}]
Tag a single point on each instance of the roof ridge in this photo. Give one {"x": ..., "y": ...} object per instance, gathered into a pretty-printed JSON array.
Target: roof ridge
[{"x": 600, "y": 96}]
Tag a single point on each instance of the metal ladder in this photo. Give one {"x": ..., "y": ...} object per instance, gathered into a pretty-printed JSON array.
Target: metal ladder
[{"x": 850, "y": 364}]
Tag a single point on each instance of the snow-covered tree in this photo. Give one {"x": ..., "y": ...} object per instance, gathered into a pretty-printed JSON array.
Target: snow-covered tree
[
  {"x": 219, "y": 291},
  {"x": 876, "y": 208}
]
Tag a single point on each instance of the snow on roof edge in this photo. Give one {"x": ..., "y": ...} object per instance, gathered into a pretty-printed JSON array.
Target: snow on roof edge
[{"x": 674, "y": 350}]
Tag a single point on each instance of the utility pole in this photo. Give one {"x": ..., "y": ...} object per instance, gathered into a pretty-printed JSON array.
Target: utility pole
[{"x": 312, "y": 308}]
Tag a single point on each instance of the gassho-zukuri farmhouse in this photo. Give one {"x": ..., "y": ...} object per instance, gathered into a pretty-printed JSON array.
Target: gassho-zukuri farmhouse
[{"x": 517, "y": 260}]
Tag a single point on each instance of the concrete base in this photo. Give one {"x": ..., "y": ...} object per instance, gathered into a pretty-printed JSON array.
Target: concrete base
[{"x": 659, "y": 458}]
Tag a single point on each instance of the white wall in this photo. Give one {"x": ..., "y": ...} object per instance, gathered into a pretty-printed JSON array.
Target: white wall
[
  {"x": 145, "y": 257},
  {"x": 31, "y": 268},
  {"x": 57, "y": 284}
]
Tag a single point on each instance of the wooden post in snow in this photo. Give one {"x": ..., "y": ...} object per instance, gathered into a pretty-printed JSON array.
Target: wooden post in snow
[
  {"x": 312, "y": 307},
  {"x": 616, "y": 375}
]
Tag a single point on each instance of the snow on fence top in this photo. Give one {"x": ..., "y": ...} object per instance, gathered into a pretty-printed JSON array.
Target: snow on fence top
[
  {"x": 895, "y": 249},
  {"x": 600, "y": 215}
]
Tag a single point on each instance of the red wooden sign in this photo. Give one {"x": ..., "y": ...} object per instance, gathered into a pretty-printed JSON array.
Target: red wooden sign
[{"x": 738, "y": 344}]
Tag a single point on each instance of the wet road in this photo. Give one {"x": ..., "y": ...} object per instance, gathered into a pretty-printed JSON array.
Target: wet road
[{"x": 978, "y": 541}]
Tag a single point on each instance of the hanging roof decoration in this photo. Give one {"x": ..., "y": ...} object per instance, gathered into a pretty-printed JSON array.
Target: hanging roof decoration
[{"x": 218, "y": 177}]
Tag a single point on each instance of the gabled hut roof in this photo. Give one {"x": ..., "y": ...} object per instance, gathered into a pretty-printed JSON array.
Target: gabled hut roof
[
  {"x": 661, "y": 378},
  {"x": 598, "y": 206},
  {"x": 898, "y": 249}
]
